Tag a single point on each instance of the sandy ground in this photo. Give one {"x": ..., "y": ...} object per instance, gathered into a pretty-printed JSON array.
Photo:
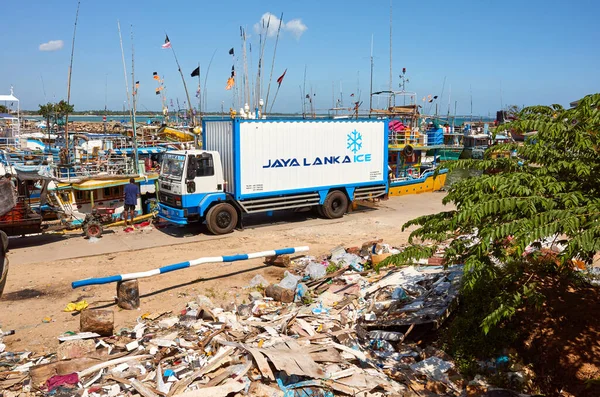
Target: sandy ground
[{"x": 43, "y": 267}]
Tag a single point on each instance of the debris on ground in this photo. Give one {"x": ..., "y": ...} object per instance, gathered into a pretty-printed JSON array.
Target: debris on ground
[{"x": 327, "y": 328}]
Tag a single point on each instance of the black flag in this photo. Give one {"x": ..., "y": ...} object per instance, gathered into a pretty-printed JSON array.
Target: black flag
[
  {"x": 231, "y": 51},
  {"x": 196, "y": 72}
]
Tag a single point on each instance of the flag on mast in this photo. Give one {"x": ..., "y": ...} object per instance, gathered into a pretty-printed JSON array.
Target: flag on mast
[
  {"x": 167, "y": 42},
  {"x": 155, "y": 76},
  {"x": 230, "y": 83},
  {"x": 280, "y": 78},
  {"x": 231, "y": 51},
  {"x": 196, "y": 72}
]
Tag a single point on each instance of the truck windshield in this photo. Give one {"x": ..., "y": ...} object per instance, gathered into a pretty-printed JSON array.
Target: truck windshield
[{"x": 172, "y": 166}]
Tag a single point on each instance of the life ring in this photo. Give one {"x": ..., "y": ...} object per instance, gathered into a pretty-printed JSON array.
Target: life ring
[{"x": 408, "y": 151}]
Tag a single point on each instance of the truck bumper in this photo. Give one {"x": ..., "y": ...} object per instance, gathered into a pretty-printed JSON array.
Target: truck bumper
[{"x": 173, "y": 215}]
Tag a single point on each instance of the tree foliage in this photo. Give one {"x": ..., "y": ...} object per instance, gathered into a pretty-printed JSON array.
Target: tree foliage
[
  {"x": 3, "y": 109},
  {"x": 47, "y": 111},
  {"x": 551, "y": 189}
]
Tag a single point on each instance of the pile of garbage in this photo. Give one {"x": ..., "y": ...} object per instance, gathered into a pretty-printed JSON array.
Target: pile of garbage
[{"x": 329, "y": 327}]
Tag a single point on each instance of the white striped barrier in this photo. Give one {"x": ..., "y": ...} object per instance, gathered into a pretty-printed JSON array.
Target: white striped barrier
[{"x": 184, "y": 265}]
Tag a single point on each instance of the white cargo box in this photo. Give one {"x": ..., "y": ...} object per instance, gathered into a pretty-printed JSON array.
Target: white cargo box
[{"x": 280, "y": 157}]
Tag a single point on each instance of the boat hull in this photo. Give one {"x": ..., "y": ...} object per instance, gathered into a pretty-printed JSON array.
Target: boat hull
[
  {"x": 447, "y": 154},
  {"x": 417, "y": 186}
]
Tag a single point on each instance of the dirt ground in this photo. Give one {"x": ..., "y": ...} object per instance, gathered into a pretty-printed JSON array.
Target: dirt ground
[
  {"x": 562, "y": 341},
  {"x": 42, "y": 268}
]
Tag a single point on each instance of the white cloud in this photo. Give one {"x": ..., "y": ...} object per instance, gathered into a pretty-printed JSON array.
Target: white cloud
[
  {"x": 269, "y": 23},
  {"x": 296, "y": 27},
  {"x": 52, "y": 45}
]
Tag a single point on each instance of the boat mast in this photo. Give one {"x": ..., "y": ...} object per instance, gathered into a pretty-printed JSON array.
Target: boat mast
[
  {"x": 273, "y": 61},
  {"x": 133, "y": 109},
  {"x": 199, "y": 95},
  {"x": 105, "y": 100},
  {"x": 304, "y": 94},
  {"x": 187, "y": 95},
  {"x": 206, "y": 79},
  {"x": 371, "y": 86},
  {"x": 128, "y": 101},
  {"x": 69, "y": 82},
  {"x": 390, "y": 97}
]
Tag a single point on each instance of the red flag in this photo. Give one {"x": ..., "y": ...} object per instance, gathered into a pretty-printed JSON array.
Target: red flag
[
  {"x": 167, "y": 42},
  {"x": 280, "y": 79}
]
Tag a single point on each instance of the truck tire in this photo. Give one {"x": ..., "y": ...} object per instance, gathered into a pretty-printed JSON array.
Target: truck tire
[
  {"x": 92, "y": 229},
  {"x": 335, "y": 205},
  {"x": 221, "y": 219}
]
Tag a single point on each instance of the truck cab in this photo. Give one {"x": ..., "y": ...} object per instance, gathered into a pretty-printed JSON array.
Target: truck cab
[{"x": 190, "y": 182}]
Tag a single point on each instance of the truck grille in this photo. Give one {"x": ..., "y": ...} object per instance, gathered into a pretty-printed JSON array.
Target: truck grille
[{"x": 169, "y": 199}]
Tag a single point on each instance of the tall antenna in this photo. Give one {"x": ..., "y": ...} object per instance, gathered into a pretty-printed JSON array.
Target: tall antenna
[
  {"x": 501, "y": 105},
  {"x": 390, "y": 97},
  {"x": 471, "y": 93},
  {"x": 69, "y": 81}
]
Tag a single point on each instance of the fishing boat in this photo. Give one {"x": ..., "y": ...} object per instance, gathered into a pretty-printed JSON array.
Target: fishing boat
[{"x": 413, "y": 161}]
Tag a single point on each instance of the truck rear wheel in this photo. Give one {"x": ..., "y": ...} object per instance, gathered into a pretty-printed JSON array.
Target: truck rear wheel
[
  {"x": 335, "y": 205},
  {"x": 221, "y": 219}
]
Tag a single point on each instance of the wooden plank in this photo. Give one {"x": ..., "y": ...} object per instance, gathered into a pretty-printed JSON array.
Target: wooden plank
[
  {"x": 328, "y": 356},
  {"x": 216, "y": 391},
  {"x": 261, "y": 362}
]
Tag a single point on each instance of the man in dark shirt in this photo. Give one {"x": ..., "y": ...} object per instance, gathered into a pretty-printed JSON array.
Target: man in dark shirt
[{"x": 132, "y": 192}]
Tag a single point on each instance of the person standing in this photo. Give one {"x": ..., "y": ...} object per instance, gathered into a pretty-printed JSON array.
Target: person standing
[{"x": 132, "y": 192}]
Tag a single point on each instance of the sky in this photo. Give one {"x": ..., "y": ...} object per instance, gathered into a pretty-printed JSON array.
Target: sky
[{"x": 493, "y": 53}]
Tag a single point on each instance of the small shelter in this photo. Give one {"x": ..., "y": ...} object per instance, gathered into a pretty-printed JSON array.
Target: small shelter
[{"x": 10, "y": 127}]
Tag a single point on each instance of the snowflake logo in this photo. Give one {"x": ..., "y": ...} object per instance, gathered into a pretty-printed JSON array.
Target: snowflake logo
[{"x": 354, "y": 141}]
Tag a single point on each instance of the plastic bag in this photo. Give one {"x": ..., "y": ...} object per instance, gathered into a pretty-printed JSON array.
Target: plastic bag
[
  {"x": 258, "y": 281},
  {"x": 399, "y": 294},
  {"x": 351, "y": 260},
  {"x": 289, "y": 281},
  {"x": 315, "y": 270}
]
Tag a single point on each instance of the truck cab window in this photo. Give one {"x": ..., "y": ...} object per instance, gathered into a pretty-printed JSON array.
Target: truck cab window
[{"x": 203, "y": 164}]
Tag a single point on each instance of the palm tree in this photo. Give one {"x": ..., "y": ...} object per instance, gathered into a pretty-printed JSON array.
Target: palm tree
[
  {"x": 47, "y": 111},
  {"x": 63, "y": 109}
]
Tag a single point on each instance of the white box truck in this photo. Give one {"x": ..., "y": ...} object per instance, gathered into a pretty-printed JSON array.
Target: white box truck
[{"x": 250, "y": 166}]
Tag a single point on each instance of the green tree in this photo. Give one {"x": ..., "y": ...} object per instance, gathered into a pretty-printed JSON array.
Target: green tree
[
  {"x": 47, "y": 111},
  {"x": 513, "y": 110},
  {"x": 3, "y": 109},
  {"x": 551, "y": 190},
  {"x": 63, "y": 109}
]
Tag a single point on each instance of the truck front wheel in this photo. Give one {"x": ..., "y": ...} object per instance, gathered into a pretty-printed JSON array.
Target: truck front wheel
[
  {"x": 335, "y": 205},
  {"x": 221, "y": 219}
]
